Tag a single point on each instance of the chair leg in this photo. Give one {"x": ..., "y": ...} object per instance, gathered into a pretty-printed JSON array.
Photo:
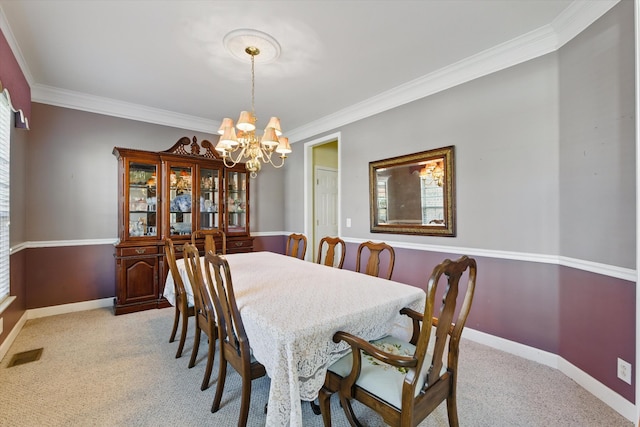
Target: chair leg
[
  {"x": 452, "y": 409},
  {"x": 196, "y": 344},
  {"x": 348, "y": 410},
  {"x": 324, "y": 399},
  {"x": 222, "y": 376},
  {"x": 176, "y": 318},
  {"x": 245, "y": 402},
  {"x": 210, "y": 356},
  {"x": 315, "y": 407},
  {"x": 183, "y": 333}
]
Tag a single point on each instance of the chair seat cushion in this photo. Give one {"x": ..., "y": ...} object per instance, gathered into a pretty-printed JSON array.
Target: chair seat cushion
[{"x": 379, "y": 378}]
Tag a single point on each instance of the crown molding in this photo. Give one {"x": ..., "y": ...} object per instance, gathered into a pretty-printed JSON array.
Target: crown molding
[
  {"x": 577, "y": 17},
  {"x": 573, "y": 20},
  {"x": 549, "y": 38},
  {"x": 5, "y": 27},
  {"x": 528, "y": 46},
  {"x": 113, "y": 107}
]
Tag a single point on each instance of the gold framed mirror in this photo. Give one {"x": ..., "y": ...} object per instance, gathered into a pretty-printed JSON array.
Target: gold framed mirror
[{"x": 414, "y": 194}]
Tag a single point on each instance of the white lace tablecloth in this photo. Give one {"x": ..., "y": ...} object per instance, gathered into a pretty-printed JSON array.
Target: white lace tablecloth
[{"x": 292, "y": 308}]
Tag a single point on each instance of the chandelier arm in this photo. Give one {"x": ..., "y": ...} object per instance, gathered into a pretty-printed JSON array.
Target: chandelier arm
[
  {"x": 234, "y": 161},
  {"x": 266, "y": 154},
  {"x": 283, "y": 157},
  {"x": 224, "y": 159}
]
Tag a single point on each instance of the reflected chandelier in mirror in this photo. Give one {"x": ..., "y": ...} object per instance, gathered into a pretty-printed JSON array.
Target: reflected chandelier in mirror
[{"x": 414, "y": 194}]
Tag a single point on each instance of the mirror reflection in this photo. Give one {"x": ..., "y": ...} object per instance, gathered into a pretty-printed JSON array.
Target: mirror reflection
[{"x": 413, "y": 194}]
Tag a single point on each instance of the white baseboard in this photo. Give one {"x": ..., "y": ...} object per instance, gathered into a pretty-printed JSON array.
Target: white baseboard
[
  {"x": 50, "y": 311},
  {"x": 611, "y": 398},
  {"x": 6, "y": 344},
  {"x": 36, "y": 313}
]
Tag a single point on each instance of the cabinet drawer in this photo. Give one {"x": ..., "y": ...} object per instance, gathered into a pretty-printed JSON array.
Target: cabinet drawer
[
  {"x": 140, "y": 250},
  {"x": 239, "y": 244}
]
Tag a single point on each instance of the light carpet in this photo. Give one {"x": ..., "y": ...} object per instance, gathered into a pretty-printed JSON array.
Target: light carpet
[{"x": 98, "y": 369}]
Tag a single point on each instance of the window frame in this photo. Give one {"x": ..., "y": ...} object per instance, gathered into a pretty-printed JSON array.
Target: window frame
[{"x": 5, "y": 204}]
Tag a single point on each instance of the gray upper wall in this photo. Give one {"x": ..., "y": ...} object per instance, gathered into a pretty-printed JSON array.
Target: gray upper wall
[
  {"x": 503, "y": 127},
  {"x": 71, "y": 174},
  {"x": 515, "y": 133},
  {"x": 597, "y": 141},
  {"x": 523, "y": 181}
]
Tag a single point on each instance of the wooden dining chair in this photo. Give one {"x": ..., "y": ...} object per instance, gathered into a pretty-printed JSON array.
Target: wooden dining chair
[
  {"x": 327, "y": 251},
  {"x": 375, "y": 250},
  {"x": 405, "y": 381},
  {"x": 183, "y": 310},
  {"x": 234, "y": 344},
  {"x": 204, "y": 311},
  {"x": 296, "y": 245},
  {"x": 209, "y": 236}
]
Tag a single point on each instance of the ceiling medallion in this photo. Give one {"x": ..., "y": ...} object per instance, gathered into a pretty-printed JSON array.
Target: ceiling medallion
[{"x": 237, "y": 41}]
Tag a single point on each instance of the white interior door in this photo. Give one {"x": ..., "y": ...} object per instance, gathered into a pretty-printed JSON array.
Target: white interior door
[{"x": 326, "y": 205}]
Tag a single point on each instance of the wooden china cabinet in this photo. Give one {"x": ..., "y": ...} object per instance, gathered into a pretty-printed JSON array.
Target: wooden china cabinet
[{"x": 170, "y": 194}]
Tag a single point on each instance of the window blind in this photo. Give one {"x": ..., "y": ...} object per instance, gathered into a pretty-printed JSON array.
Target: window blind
[{"x": 5, "y": 135}]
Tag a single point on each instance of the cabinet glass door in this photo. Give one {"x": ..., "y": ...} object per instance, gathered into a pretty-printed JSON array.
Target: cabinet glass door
[
  {"x": 142, "y": 203},
  {"x": 180, "y": 200},
  {"x": 209, "y": 199},
  {"x": 237, "y": 202}
]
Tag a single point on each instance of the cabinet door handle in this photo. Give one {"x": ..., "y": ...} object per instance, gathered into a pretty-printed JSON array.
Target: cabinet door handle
[
  {"x": 239, "y": 243},
  {"x": 140, "y": 251}
]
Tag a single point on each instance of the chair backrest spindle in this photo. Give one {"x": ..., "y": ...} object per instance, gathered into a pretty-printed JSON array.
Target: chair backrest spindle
[
  {"x": 331, "y": 244},
  {"x": 373, "y": 262},
  {"x": 296, "y": 245}
]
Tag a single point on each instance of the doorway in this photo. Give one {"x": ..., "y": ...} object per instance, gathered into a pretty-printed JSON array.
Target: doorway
[{"x": 322, "y": 191}]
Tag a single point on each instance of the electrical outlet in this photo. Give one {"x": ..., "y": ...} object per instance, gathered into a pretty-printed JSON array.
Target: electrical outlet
[{"x": 624, "y": 371}]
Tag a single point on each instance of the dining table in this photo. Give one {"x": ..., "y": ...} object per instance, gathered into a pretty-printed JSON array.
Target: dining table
[{"x": 291, "y": 309}]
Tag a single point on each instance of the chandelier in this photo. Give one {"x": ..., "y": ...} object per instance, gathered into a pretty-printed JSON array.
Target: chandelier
[{"x": 245, "y": 144}]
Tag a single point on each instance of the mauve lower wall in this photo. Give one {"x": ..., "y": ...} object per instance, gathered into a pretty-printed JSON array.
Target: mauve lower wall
[
  {"x": 557, "y": 309},
  {"x": 597, "y": 325},
  {"x": 69, "y": 274},
  {"x": 561, "y": 310}
]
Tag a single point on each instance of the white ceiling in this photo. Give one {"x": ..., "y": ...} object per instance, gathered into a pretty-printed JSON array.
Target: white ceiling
[{"x": 164, "y": 61}]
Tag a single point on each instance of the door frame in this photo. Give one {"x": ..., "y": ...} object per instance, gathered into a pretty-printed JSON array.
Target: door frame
[{"x": 309, "y": 187}]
